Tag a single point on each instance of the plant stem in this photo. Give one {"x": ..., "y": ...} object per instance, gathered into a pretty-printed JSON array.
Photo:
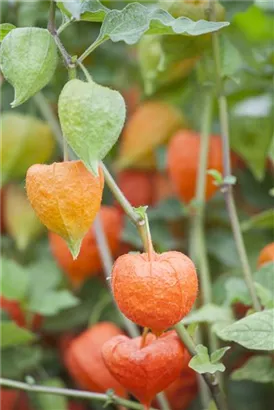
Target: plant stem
[
  {"x": 118, "y": 194},
  {"x": 197, "y": 248},
  {"x": 210, "y": 379},
  {"x": 85, "y": 71},
  {"x": 108, "y": 398},
  {"x": 90, "y": 49},
  {"x": 64, "y": 25},
  {"x": 107, "y": 262},
  {"x": 52, "y": 30},
  {"x": 227, "y": 188},
  {"x": 47, "y": 112}
]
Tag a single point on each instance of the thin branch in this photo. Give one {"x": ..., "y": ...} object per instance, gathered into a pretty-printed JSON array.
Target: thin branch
[
  {"x": 90, "y": 49},
  {"x": 118, "y": 194},
  {"x": 52, "y": 29},
  {"x": 107, "y": 262},
  {"x": 108, "y": 398},
  {"x": 210, "y": 379},
  {"x": 227, "y": 188}
]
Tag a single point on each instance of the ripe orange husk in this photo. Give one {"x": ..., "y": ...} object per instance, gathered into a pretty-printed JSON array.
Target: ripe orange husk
[
  {"x": 13, "y": 309},
  {"x": 84, "y": 361},
  {"x": 183, "y": 161},
  {"x": 266, "y": 254},
  {"x": 65, "y": 196},
  {"x": 143, "y": 187},
  {"x": 136, "y": 185},
  {"x": 11, "y": 399},
  {"x": 151, "y": 125},
  {"x": 148, "y": 370},
  {"x": 88, "y": 262},
  {"x": 155, "y": 293}
]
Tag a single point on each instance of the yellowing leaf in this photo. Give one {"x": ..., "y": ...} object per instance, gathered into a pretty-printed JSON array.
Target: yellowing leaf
[
  {"x": 152, "y": 124},
  {"x": 25, "y": 141},
  {"x": 21, "y": 221}
]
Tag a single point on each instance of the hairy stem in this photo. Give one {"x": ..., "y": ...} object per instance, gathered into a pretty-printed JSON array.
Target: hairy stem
[
  {"x": 227, "y": 189},
  {"x": 210, "y": 379},
  {"x": 108, "y": 398}
]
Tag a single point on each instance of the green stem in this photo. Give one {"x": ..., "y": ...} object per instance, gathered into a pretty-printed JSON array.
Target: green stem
[
  {"x": 118, "y": 194},
  {"x": 106, "y": 398},
  {"x": 210, "y": 379},
  {"x": 90, "y": 49},
  {"x": 64, "y": 26},
  {"x": 197, "y": 248},
  {"x": 48, "y": 114},
  {"x": 107, "y": 262},
  {"x": 85, "y": 71},
  {"x": 227, "y": 189}
]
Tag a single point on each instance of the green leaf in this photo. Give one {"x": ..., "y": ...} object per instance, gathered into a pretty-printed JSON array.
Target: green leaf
[
  {"x": 51, "y": 401},
  {"x": 253, "y": 332},
  {"x": 209, "y": 313},
  {"x": 202, "y": 363},
  {"x": 168, "y": 209},
  {"x": 78, "y": 316},
  {"x": 92, "y": 117},
  {"x": 5, "y": 28},
  {"x": 255, "y": 24},
  {"x": 52, "y": 302},
  {"x": 12, "y": 335},
  {"x": 258, "y": 369},
  {"x": 236, "y": 291},
  {"x": 216, "y": 356},
  {"x": 28, "y": 58},
  {"x": 231, "y": 59},
  {"x": 14, "y": 280},
  {"x": 265, "y": 295},
  {"x": 134, "y": 20},
  {"x": 263, "y": 220},
  {"x": 88, "y": 10},
  {"x": 265, "y": 276},
  {"x": 19, "y": 360},
  {"x": 44, "y": 275},
  {"x": 218, "y": 178},
  {"x": 250, "y": 138}
]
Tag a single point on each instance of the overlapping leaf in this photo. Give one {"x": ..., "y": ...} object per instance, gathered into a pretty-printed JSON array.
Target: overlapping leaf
[
  {"x": 88, "y": 10},
  {"x": 134, "y": 20}
]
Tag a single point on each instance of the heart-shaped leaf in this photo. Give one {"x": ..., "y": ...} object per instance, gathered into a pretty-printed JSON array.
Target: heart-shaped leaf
[
  {"x": 28, "y": 59},
  {"x": 92, "y": 117}
]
